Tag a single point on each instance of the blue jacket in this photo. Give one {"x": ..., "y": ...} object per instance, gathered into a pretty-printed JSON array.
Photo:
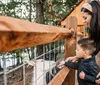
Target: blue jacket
[{"x": 89, "y": 67}]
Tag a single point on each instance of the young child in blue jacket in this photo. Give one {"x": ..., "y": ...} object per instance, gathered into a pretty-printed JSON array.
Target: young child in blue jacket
[{"x": 86, "y": 66}]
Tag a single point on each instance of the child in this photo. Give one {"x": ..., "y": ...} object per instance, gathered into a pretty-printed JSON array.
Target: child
[{"x": 87, "y": 69}]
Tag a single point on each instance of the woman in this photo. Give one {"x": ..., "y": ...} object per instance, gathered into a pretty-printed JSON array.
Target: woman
[{"x": 91, "y": 18}]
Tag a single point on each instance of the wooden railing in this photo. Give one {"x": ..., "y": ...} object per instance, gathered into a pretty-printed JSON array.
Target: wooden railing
[
  {"x": 15, "y": 33},
  {"x": 60, "y": 77}
]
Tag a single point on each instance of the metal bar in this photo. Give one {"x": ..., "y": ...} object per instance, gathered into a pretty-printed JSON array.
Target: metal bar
[
  {"x": 35, "y": 69},
  {"x": 5, "y": 74},
  {"x": 43, "y": 65},
  {"x": 49, "y": 60},
  {"x": 58, "y": 46},
  {"x": 23, "y": 68},
  {"x": 24, "y": 74},
  {"x": 54, "y": 53}
]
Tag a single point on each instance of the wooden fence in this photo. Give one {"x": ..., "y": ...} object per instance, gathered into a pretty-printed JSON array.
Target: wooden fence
[{"x": 15, "y": 33}]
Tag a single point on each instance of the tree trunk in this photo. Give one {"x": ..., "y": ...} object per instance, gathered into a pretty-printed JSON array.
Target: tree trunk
[
  {"x": 39, "y": 11},
  {"x": 39, "y": 19}
]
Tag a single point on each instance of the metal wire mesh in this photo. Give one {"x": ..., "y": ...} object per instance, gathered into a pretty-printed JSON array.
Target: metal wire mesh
[{"x": 16, "y": 66}]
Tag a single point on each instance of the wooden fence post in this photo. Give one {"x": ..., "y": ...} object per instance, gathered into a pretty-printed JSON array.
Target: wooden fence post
[{"x": 70, "y": 47}]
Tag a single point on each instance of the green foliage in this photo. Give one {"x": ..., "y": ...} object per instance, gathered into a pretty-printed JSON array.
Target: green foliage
[
  {"x": 17, "y": 8},
  {"x": 26, "y": 9},
  {"x": 60, "y": 7}
]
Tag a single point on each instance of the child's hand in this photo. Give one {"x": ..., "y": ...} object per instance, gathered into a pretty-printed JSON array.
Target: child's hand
[
  {"x": 98, "y": 80},
  {"x": 82, "y": 75},
  {"x": 61, "y": 63},
  {"x": 98, "y": 75}
]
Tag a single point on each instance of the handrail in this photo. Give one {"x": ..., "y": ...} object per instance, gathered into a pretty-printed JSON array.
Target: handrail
[{"x": 16, "y": 33}]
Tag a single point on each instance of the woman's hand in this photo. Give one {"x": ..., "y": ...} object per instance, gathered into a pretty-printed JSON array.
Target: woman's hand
[
  {"x": 82, "y": 75},
  {"x": 98, "y": 81},
  {"x": 73, "y": 59}
]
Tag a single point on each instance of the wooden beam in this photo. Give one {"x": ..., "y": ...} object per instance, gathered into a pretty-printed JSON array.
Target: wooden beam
[
  {"x": 60, "y": 77},
  {"x": 16, "y": 33},
  {"x": 70, "y": 47}
]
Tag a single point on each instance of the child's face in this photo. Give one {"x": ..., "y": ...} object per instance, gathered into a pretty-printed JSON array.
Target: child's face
[{"x": 80, "y": 52}]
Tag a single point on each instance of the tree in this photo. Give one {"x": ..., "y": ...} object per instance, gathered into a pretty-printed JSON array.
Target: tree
[{"x": 40, "y": 19}]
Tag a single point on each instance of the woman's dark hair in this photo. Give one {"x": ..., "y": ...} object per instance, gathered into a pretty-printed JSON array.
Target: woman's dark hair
[
  {"x": 86, "y": 10},
  {"x": 94, "y": 31}
]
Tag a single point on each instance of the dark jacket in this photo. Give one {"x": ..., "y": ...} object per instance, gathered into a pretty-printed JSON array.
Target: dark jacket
[{"x": 89, "y": 67}]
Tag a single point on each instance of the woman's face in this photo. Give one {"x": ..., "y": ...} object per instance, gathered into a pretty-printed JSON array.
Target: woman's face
[{"x": 86, "y": 18}]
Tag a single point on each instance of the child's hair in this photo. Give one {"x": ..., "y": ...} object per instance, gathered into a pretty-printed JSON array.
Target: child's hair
[{"x": 87, "y": 44}]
